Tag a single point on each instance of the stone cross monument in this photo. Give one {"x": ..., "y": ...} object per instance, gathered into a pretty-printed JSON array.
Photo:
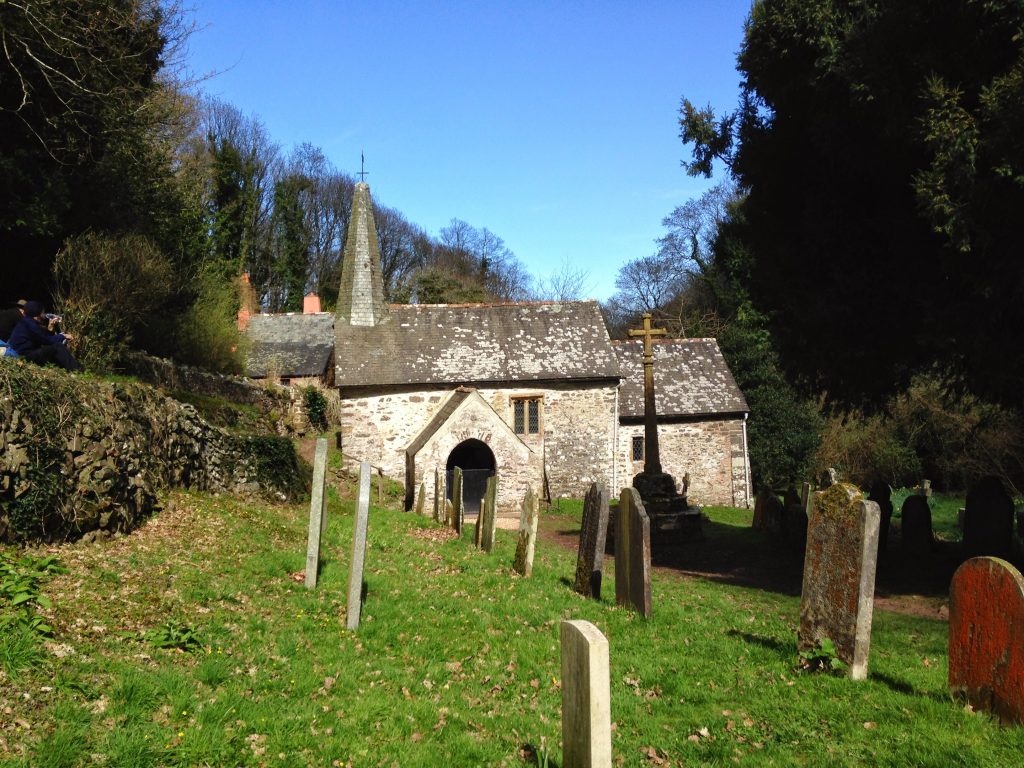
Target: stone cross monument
[{"x": 652, "y": 453}]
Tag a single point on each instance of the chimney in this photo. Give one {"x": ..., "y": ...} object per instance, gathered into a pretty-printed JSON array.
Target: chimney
[
  {"x": 247, "y": 301},
  {"x": 310, "y": 304}
]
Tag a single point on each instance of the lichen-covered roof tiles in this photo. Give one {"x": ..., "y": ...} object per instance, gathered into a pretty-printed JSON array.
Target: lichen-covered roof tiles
[
  {"x": 290, "y": 345},
  {"x": 691, "y": 378},
  {"x": 476, "y": 343}
]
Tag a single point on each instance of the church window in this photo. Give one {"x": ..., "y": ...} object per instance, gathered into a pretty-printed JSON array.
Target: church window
[
  {"x": 638, "y": 449},
  {"x": 526, "y": 415}
]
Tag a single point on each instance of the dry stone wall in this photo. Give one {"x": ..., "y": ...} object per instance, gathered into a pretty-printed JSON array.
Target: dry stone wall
[{"x": 79, "y": 455}]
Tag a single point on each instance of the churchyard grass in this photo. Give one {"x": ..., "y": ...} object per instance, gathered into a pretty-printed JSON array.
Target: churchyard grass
[{"x": 455, "y": 663}]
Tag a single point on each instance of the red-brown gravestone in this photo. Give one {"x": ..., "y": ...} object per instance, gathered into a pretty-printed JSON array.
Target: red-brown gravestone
[
  {"x": 837, "y": 599},
  {"x": 986, "y": 637}
]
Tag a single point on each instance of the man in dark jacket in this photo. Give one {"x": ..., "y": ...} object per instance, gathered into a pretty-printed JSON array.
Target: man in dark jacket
[
  {"x": 9, "y": 318},
  {"x": 31, "y": 339}
]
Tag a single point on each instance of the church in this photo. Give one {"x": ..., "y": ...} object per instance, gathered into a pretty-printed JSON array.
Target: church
[{"x": 535, "y": 392}]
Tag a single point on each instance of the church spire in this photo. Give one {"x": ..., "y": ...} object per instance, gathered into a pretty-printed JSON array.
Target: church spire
[{"x": 361, "y": 298}]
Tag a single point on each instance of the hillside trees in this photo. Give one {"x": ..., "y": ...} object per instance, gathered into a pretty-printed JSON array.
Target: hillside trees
[{"x": 878, "y": 148}]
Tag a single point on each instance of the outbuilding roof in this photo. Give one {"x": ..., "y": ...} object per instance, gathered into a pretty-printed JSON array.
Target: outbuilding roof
[
  {"x": 292, "y": 345},
  {"x": 691, "y": 378},
  {"x": 476, "y": 343}
]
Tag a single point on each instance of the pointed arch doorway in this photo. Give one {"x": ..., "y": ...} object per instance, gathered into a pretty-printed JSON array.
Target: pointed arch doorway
[{"x": 476, "y": 460}]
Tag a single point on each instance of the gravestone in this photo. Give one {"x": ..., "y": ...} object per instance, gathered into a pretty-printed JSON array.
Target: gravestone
[
  {"x": 805, "y": 494},
  {"x": 593, "y": 537},
  {"x": 458, "y": 511},
  {"x": 828, "y": 478},
  {"x": 523, "y": 563},
  {"x": 881, "y": 494},
  {"x": 355, "y": 567},
  {"x": 449, "y": 513},
  {"x": 586, "y": 697},
  {"x": 768, "y": 511},
  {"x": 439, "y": 497},
  {"x": 421, "y": 500},
  {"x": 916, "y": 526},
  {"x": 489, "y": 514},
  {"x": 986, "y": 624},
  {"x": 836, "y": 601},
  {"x": 791, "y": 498},
  {"x": 988, "y": 521},
  {"x": 794, "y": 525},
  {"x": 926, "y": 489},
  {"x": 317, "y": 513},
  {"x": 633, "y": 554}
]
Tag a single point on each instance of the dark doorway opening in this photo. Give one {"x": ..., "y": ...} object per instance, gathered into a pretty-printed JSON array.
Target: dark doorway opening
[{"x": 477, "y": 463}]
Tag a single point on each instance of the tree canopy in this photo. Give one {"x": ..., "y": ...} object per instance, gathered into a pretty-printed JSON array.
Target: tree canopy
[{"x": 878, "y": 147}]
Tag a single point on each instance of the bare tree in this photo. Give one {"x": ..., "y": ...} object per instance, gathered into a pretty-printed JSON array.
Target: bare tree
[{"x": 568, "y": 283}]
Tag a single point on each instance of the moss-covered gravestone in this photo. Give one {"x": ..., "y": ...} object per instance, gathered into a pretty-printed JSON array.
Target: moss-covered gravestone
[
  {"x": 836, "y": 602},
  {"x": 523, "y": 563},
  {"x": 439, "y": 497},
  {"x": 488, "y": 518},
  {"x": 986, "y": 627},
  {"x": 593, "y": 537},
  {"x": 458, "y": 511},
  {"x": 421, "y": 499}
]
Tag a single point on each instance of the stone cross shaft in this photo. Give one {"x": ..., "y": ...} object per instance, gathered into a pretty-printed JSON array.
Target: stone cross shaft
[{"x": 652, "y": 453}]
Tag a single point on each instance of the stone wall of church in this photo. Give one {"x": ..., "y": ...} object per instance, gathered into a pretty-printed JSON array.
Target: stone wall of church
[
  {"x": 575, "y": 444},
  {"x": 713, "y": 452}
]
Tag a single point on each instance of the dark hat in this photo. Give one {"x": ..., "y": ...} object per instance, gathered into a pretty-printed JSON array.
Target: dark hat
[{"x": 33, "y": 308}]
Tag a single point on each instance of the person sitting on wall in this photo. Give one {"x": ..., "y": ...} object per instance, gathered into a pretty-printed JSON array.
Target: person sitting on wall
[{"x": 31, "y": 339}]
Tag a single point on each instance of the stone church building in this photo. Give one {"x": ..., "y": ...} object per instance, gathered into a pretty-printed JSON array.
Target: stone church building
[{"x": 536, "y": 392}]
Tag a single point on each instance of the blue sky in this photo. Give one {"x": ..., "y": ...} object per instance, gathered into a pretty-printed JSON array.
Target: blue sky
[{"x": 552, "y": 124}]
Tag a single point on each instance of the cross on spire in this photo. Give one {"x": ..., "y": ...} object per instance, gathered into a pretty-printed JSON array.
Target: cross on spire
[{"x": 363, "y": 173}]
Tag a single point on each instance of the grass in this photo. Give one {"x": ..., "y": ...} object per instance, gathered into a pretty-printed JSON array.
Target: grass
[{"x": 456, "y": 662}]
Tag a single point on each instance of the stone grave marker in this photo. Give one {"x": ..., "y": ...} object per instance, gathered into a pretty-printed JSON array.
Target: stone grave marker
[
  {"x": 881, "y": 494},
  {"x": 586, "y": 697},
  {"x": 488, "y": 518},
  {"x": 916, "y": 526},
  {"x": 768, "y": 511},
  {"x": 355, "y": 567},
  {"x": 421, "y": 499},
  {"x": 523, "y": 563},
  {"x": 633, "y": 554},
  {"x": 458, "y": 511},
  {"x": 438, "y": 497},
  {"x": 593, "y": 538},
  {"x": 926, "y": 488},
  {"x": 449, "y": 513},
  {"x": 986, "y": 624},
  {"x": 988, "y": 521},
  {"x": 317, "y": 513},
  {"x": 837, "y": 598},
  {"x": 828, "y": 478}
]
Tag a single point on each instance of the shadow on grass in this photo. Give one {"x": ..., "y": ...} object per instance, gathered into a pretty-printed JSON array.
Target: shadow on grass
[
  {"x": 902, "y": 686},
  {"x": 771, "y": 643}
]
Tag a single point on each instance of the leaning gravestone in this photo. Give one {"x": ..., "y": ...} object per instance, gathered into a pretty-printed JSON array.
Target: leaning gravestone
[
  {"x": 593, "y": 538},
  {"x": 881, "y": 494},
  {"x": 986, "y": 624},
  {"x": 836, "y": 601},
  {"x": 355, "y": 567},
  {"x": 988, "y": 520},
  {"x": 439, "y": 498},
  {"x": 488, "y": 518},
  {"x": 421, "y": 499},
  {"x": 586, "y": 697},
  {"x": 633, "y": 554},
  {"x": 916, "y": 526},
  {"x": 458, "y": 512},
  {"x": 523, "y": 563},
  {"x": 317, "y": 513}
]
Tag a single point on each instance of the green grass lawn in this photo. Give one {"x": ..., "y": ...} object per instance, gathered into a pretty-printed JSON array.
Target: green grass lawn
[{"x": 456, "y": 662}]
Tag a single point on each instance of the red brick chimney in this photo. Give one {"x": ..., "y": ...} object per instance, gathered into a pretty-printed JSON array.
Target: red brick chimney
[{"x": 310, "y": 304}]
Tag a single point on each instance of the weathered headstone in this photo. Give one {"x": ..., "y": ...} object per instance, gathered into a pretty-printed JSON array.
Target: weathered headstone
[
  {"x": 836, "y": 601},
  {"x": 421, "y": 500},
  {"x": 828, "y": 478},
  {"x": 356, "y": 563},
  {"x": 768, "y": 511},
  {"x": 986, "y": 624},
  {"x": 449, "y": 513},
  {"x": 489, "y": 514},
  {"x": 523, "y": 563},
  {"x": 633, "y": 554},
  {"x": 317, "y": 513},
  {"x": 439, "y": 496},
  {"x": 988, "y": 521},
  {"x": 586, "y": 697},
  {"x": 458, "y": 511},
  {"x": 926, "y": 489},
  {"x": 916, "y": 526},
  {"x": 805, "y": 494},
  {"x": 794, "y": 525},
  {"x": 593, "y": 537},
  {"x": 881, "y": 494}
]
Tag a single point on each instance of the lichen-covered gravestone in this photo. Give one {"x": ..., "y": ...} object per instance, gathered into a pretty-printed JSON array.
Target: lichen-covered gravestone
[
  {"x": 317, "y": 513},
  {"x": 988, "y": 519},
  {"x": 633, "y": 554},
  {"x": 839, "y": 575},
  {"x": 355, "y": 566},
  {"x": 421, "y": 499},
  {"x": 489, "y": 514},
  {"x": 916, "y": 526},
  {"x": 458, "y": 512},
  {"x": 523, "y": 563},
  {"x": 586, "y": 697},
  {"x": 438, "y": 497},
  {"x": 986, "y": 627},
  {"x": 593, "y": 538}
]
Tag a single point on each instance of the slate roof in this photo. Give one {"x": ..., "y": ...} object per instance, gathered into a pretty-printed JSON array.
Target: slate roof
[
  {"x": 691, "y": 378},
  {"x": 476, "y": 343},
  {"x": 291, "y": 345}
]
